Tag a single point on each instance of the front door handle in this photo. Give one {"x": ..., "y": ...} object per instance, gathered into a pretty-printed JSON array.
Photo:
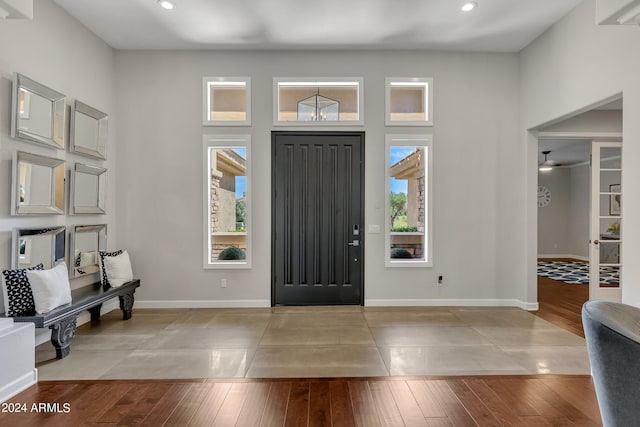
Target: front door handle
[{"x": 354, "y": 243}]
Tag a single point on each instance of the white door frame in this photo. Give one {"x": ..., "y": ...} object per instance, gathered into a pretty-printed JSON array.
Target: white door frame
[
  {"x": 534, "y": 138},
  {"x": 596, "y": 291}
]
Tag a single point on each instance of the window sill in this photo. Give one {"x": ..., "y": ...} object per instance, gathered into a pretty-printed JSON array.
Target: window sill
[{"x": 229, "y": 233}]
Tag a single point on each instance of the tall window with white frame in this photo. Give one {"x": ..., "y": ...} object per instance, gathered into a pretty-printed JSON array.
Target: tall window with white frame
[
  {"x": 227, "y": 207},
  {"x": 408, "y": 201}
]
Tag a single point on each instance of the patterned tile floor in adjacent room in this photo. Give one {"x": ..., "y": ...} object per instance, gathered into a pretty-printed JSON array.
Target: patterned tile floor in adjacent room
[{"x": 316, "y": 342}]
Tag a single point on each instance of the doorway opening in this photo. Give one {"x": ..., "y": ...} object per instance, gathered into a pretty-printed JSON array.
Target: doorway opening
[{"x": 579, "y": 222}]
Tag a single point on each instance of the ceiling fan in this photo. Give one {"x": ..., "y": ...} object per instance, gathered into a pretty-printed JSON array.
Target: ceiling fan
[{"x": 547, "y": 164}]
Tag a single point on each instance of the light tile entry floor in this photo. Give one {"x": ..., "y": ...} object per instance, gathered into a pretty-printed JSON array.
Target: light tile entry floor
[{"x": 315, "y": 342}]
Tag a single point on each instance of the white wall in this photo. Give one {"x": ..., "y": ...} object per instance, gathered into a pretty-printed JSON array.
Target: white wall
[
  {"x": 593, "y": 122},
  {"x": 554, "y": 219},
  {"x": 485, "y": 213},
  {"x": 160, "y": 178},
  {"x": 57, "y": 51},
  {"x": 563, "y": 226},
  {"x": 580, "y": 184},
  {"x": 574, "y": 65}
]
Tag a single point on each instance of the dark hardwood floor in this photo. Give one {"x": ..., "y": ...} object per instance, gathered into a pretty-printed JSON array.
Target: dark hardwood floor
[
  {"x": 541, "y": 400},
  {"x": 561, "y": 303}
]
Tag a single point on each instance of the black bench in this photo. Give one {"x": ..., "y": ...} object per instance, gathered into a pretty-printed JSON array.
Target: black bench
[{"x": 62, "y": 320}]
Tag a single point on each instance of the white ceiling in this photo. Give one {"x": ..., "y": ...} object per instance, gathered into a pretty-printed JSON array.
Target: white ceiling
[
  {"x": 495, "y": 25},
  {"x": 565, "y": 152}
]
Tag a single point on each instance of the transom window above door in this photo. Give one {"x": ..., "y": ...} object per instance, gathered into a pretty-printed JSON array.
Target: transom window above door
[{"x": 318, "y": 102}]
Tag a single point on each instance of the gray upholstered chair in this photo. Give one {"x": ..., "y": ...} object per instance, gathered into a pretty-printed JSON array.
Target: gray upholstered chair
[{"x": 612, "y": 331}]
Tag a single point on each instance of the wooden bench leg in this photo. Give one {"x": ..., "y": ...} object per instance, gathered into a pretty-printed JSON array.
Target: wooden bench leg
[
  {"x": 126, "y": 305},
  {"x": 95, "y": 312},
  {"x": 62, "y": 333}
]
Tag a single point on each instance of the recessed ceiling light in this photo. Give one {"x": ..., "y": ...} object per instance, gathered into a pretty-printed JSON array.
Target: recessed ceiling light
[
  {"x": 166, "y": 4},
  {"x": 469, "y": 6}
]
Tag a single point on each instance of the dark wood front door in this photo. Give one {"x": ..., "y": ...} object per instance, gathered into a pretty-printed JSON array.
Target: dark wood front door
[{"x": 317, "y": 218}]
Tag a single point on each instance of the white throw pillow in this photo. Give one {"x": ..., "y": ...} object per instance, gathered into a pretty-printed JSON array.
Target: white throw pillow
[
  {"x": 50, "y": 288},
  {"x": 88, "y": 258},
  {"x": 118, "y": 269},
  {"x": 103, "y": 272}
]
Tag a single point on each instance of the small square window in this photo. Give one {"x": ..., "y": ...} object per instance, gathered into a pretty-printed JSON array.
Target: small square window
[
  {"x": 227, "y": 101},
  {"x": 409, "y": 102}
]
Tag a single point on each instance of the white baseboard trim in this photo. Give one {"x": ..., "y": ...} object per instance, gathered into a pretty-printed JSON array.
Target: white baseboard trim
[
  {"x": 240, "y": 303},
  {"x": 369, "y": 303},
  {"x": 20, "y": 384},
  {"x": 581, "y": 258},
  {"x": 529, "y": 306}
]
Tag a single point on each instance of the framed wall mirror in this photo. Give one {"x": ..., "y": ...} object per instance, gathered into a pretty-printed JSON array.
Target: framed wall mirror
[
  {"x": 38, "y": 185},
  {"x": 88, "y": 189},
  {"x": 86, "y": 241},
  {"x": 32, "y": 246},
  {"x": 88, "y": 131},
  {"x": 38, "y": 113}
]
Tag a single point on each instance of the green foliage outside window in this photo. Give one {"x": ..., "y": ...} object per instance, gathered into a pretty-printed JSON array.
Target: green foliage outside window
[
  {"x": 241, "y": 211},
  {"x": 398, "y": 206},
  {"x": 404, "y": 229},
  {"x": 231, "y": 253},
  {"x": 401, "y": 253}
]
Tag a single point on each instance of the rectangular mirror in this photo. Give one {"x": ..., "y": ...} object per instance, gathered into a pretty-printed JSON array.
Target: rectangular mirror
[
  {"x": 88, "y": 131},
  {"x": 38, "y": 185},
  {"x": 88, "y": 189},
  {"x": 38, "y": 113},
  {"x": 86, "y": 241},
  {"x": 32, "y": 246}
]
